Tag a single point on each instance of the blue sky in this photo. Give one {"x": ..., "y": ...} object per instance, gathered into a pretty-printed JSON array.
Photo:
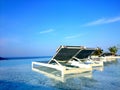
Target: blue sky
[{"x": 38, "y": 27}]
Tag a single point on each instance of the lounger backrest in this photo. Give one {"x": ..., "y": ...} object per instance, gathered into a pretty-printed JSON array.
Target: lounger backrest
[
  {"x": 84, "y": 54},
  {"x": 65, "y": 54}
]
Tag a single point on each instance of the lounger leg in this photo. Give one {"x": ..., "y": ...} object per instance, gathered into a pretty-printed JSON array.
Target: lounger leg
[{"x": 62, "y": 73}]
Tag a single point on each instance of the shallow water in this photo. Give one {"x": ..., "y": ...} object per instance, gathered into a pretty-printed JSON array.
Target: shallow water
[{"x": 18, "y": 75}]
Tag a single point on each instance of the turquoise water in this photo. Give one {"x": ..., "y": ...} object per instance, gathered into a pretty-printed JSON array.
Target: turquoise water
[{"x": 18, "y": 75}]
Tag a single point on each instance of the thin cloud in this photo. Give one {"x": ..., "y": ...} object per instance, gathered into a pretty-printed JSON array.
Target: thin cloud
[
  {"x": 46, "y": 31},
  {"x": 72, "y": 37},
  {"x": 103, "y": 21}
]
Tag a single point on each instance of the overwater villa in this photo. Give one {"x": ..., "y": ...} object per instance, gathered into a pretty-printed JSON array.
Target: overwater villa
[{"x": 68, "y": 60}]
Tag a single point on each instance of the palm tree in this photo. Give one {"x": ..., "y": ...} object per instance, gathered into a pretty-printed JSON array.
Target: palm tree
[
  {"x": 98, "y": 51},
  {"x": 113, "y": 49}
]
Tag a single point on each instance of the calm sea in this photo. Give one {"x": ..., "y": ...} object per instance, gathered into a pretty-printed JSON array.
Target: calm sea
[{"x": 17, "y": 75}]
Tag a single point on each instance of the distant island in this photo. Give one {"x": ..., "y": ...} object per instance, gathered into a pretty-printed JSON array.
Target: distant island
[
  {"x": 12, "y": 58},
  {"x": 1, "y": 58}
]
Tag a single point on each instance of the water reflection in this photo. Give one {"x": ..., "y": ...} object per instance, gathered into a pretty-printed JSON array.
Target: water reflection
[
  {"x": 116, "y": 62},
  {"x": 101, "y": 68},
  {"x": 76, "y": 83}
]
